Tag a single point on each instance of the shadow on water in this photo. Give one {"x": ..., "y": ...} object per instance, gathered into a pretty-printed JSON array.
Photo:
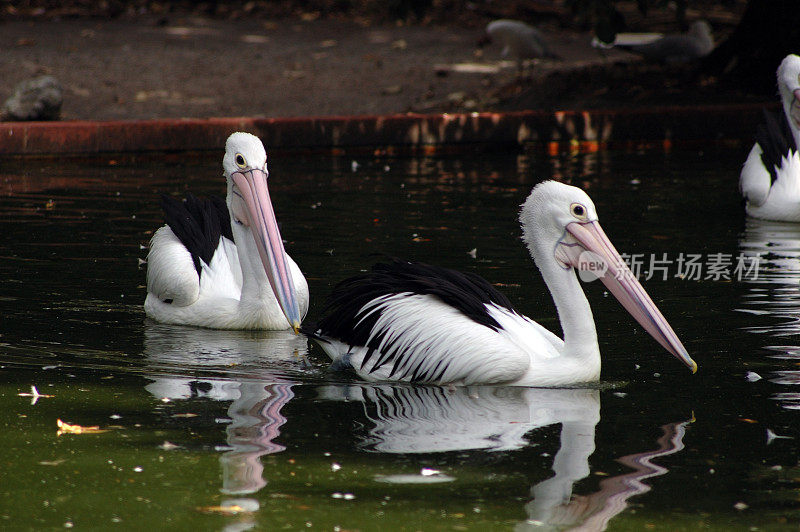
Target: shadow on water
[{"x": 237, "y": 430}]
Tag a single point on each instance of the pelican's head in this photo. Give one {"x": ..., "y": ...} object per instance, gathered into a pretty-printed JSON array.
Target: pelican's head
[
  {"x": 789, "y": 88},
  {"x": 245, "y": 165},
  {"x": 560, "y": 227}
]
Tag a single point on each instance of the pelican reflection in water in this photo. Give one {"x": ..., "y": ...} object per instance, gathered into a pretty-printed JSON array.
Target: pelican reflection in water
[
  {"x": 430, "y": 419},
  {"x": 773, "y": 297},
  {"x": 179, "y": 359}
]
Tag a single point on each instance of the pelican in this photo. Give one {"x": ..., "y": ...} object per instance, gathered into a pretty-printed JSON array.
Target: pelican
[
  {"x": 672, "y": 48},
  {"x": 220, "y": 264},
  {"x": 519, "y": 40},
  {"x": 418, "y": 323},
  {"x": 770, "y": 178}
]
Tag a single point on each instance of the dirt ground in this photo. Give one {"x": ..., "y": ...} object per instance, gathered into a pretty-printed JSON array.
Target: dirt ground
[{"x": 194, "y": 66}]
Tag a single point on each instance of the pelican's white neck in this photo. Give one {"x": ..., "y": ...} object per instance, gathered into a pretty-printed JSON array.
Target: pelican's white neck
[{"x": 574, "y": 312}]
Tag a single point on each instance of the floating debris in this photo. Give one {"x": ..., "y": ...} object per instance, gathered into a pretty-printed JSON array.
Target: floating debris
[
  {"x": 771, "y": 436},
  {"x": 426, "y": 475},
  {"x": 67, "y": 428},
  {"x": 232, "y": 509},
  {"x": 752, "y": 376},
  {"x": 34, "y": 395},
  {"x": 52, "y": 462},
  {"x": 473, "y": 253}
]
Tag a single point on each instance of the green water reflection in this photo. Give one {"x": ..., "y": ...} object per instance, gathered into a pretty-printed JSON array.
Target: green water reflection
[{"x": 243, "y": 430}]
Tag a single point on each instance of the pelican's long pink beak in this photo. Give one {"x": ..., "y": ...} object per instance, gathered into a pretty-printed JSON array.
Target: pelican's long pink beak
[
  {"x": 252, "y": 185},
  {"x": 605, "y": 262}
]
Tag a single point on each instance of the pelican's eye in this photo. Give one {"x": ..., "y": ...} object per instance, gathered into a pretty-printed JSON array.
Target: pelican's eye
[
  {"x": 578, "y": 211},
  {"x": 240, "y": 162}
]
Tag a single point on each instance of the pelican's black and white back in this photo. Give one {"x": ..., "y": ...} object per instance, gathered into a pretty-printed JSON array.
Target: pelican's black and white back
[{"x": 415, "y": 322}]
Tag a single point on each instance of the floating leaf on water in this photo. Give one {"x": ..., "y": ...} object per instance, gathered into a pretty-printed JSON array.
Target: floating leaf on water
[
  {"x": 52, "y": 462},
  {"x": 413, "y": 479},
  {"x": 233, "y": 509},
  {"x": 67, "y": 428}
]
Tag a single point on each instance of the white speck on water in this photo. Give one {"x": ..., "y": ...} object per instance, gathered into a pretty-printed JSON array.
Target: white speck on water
[
  {"x": 138, "y": 469},
  {"x": 335, "y": 466},
  {"x": 473, "y": 253},
  {"x": 427, "y": 472},
  {"x": 741, "y": 506},
  {"x": 620, "y": 394},
  {"x": 752, "y": 376}
]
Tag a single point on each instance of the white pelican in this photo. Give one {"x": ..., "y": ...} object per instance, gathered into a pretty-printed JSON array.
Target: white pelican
[
  {"x": 413, "y": 322},
  {"x": 770, "y": 178},
  {"x": 672, "y": 48},
  {"x": 519, "y": 41},
  {"x": 222, "y": 265}
]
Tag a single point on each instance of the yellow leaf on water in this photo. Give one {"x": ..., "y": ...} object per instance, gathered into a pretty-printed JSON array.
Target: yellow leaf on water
[
  {"x": 232, "y": 509},
  {"x": 66, "y": 428}
]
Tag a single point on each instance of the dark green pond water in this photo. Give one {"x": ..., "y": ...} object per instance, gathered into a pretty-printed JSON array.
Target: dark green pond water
[{"x": 205, "y": 430}]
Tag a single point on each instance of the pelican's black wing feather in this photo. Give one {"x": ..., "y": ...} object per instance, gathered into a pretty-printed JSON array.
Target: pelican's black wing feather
[
  {"x": 776, "y": 140},
  {"x": 198, "y": 224},
  {"x": 467, "y": 292}
]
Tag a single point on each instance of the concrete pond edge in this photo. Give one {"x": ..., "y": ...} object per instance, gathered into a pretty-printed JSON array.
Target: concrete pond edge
[{"x": 403, "y": 133}]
